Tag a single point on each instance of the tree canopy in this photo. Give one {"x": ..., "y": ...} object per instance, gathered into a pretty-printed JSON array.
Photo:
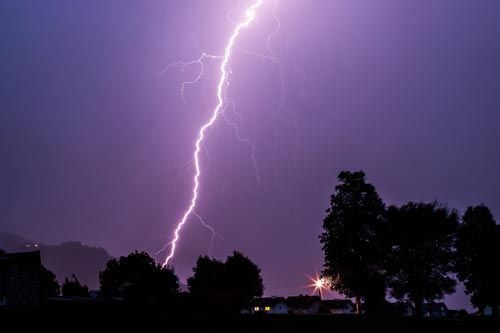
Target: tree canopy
[
  {"x": 137, "y": 277},
  {"x": 422, "y": 238},
  {"x": 238, "y": 277},
  {"x": 478, "y": 257},
  {"x": 243, "y": 276},
  {"x": 209, "y": 276},
  {"x": 352, "y": 239}
]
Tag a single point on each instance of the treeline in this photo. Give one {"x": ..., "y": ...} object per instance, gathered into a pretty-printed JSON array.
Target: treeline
[
  {"x": 138, "y": 278},
  {"x": 415, "y": 252}
]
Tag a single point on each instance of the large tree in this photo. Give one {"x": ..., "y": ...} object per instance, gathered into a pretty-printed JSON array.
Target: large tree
[
  {"x": 238, "y": 277},
  {"x": 478, "y": 257},
  {"x": 420, "y": 262},
  {"x": 353, "y": 240},
  {"x": 137, "y": 277},
  {"x": 208, "y": 278},
  {"x": 243, "y": 277}
]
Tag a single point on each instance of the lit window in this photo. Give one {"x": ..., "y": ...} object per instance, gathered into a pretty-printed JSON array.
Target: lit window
[
  {"x": 268, "y": 308},
  {"x": 256, "y": 308}
]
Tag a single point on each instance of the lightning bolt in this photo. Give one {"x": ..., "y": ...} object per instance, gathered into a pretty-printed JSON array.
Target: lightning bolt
[
  {"x": 272, "y": 57},
  {"x": 184, "y": 65},
  {"x": 221, "y": 92},
  {"x": 214, "y": 234},
  {"x": 242, "y": 139}
]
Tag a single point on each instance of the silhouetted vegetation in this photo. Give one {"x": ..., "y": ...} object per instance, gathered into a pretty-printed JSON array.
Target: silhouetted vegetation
[
  {"x": 238, "y": 278},
  {"x": 74, "y": 288},
  {"x": 243, "y": 277},
  {"x": 412, "y": 250},
  {"x": 352, "y": 240},
  {"x": 478, "y": 257},
  {"x": 421, "y": 256},
  {"x": 74, "y": 257},
  {"x": 48, "y": 285},
  {"x": 137, "y": 277},
  {"x": 208, "y": 276}
]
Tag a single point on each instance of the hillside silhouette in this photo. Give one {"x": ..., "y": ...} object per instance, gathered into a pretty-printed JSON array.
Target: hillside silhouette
[{"x": 65, "y": 259}]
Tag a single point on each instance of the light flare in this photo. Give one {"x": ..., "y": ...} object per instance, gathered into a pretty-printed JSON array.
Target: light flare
[{"x": 319, "y": 284}]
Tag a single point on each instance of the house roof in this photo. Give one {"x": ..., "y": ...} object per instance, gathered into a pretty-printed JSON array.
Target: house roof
[
  {"x": 337, "y": 303},
  {"x": 301, "y": 301},
  {"x": 398, "y": 308},
  {"x": 267, "y": 301},
  {"x": 25, "y": 257},
  {"x": 434, "y": 307}
]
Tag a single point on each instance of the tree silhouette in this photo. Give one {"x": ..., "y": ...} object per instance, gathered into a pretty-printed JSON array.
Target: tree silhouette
[
  {"x": 243, "y": 277},
  {"x": 420, "y": 260},
  {"x": 352, "y": 240},
  {"x": 74, "y": 288},
  {"x": 209, "y": 276},
  {"x": 478, "y": 257},
  {"x": 238, "y": 277},
  {"x": 48, "y": 284},
  {"x": 137, "y": 277}
]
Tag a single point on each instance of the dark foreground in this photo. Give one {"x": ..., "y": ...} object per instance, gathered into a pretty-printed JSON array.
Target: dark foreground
[{"x": 98, "y": 315}]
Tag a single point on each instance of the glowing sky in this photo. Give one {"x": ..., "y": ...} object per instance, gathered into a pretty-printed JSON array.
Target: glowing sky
[{"x": 91, "y": 134}]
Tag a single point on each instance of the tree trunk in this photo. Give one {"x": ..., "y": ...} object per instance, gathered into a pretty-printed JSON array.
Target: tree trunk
[
  {"x": 358, "y": 304},
  {"x": 418, "y": 308}
]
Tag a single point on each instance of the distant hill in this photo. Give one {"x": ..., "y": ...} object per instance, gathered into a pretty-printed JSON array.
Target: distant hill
[
  {"x": 64, "y": 259},
  {"x": 13, "y": 243}
]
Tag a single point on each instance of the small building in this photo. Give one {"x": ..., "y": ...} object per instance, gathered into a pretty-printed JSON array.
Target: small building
[
  {"x": 303, "y": 304},
  {"x": 488, "y": 311},
  {"x": 20, "y": 279},
  {"x": 436, "y": 310},
  {"x": 338, "y": 306},
  {"x": 269, "y": 305},
  {"x": 399, "y": 309},
  {"x": 462, "y": 313}
]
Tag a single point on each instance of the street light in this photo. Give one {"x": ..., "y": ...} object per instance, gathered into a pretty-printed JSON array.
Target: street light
[{"x": 319, "y": 284}]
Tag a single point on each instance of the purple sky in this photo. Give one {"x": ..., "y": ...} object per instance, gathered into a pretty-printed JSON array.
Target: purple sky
[{"x": 90, "y": 134}]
